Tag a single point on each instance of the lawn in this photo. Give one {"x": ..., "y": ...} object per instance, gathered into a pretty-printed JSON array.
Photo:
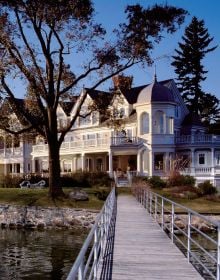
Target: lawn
[
  {"x": 200, "y": 204},
  {"x": 39, "y": 197}
]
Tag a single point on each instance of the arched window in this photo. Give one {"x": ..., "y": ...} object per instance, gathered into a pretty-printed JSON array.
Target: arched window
[
  {"x": 144, "y": 123},
  {"x": 159, "y": 122}
]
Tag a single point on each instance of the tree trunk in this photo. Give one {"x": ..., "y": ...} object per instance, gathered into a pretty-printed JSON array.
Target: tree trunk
[{"x": 55, "y": 188}]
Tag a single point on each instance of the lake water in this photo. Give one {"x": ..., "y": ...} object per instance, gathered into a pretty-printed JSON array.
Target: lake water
[
  {"x": 38, "y": 254},
  {"x": 43, "y": 255}
]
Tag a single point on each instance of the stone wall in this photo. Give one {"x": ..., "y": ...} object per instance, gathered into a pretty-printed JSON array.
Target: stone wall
[{"x": 37, "y": 217}]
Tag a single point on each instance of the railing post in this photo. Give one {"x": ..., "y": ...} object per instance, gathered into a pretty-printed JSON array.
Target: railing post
[
  {"x": 218, "y": 255},
  {"x": 147, "y": 196},
  {"x": 172, "y": 222},
  {"x": 102, "y": 236},
  {"x": 144, "y": 203},
  {"x": 150, "y": 204},
  {"x": 155, "y": 207},
  {"x": 95, "y": 253},
  {"x": 162, "y": 213},
  {"x": 80, "y": 272},
  {"x": 189, "y": 236}
]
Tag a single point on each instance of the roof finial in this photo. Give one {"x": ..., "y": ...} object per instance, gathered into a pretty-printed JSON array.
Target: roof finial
[{"x": 155, "y": 73}]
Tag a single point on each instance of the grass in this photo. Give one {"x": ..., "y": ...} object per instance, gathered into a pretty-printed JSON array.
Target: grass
[
  {"x": 31, "y": 197},
  {"x": 200, "y": 204}
]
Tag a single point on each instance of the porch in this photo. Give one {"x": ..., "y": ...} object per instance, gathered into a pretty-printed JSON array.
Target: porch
[{"x": 198, "y": 139}]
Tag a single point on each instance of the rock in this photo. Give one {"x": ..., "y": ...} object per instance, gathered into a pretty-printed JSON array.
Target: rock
[
  {"x": 41, "y": 226},
  {"x": 78, "y": 195},
  {"x": 3, "y": 225},
  {"x": 12, "y": 226}
]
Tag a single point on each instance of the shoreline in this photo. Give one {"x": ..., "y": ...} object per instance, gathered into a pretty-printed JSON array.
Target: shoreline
[{"x": 35, "y": 217}]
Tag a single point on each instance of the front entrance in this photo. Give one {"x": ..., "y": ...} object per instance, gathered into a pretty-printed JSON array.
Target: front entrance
[{"x": 125, "y": 163}]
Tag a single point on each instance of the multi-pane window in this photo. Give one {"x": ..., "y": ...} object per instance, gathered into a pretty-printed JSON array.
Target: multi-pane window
[
  {"x": 158, "y": 161},
  {"x": 218, "y": 159},
  {"x": 145, "y": 123},
  {"x": 159, "y": 122},
  {"x": 201, "y": 158}
]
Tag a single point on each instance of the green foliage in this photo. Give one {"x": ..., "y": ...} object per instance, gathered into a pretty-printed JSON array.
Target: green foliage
[
  {"x": 206, "y": 188},
  {"x": 86, "y": 180},
  {"x": 188, "y": 65},
  {"x": 156, "y": 182},
  {"x": 8, "y": 181},
  {"x": 181, "y": 180},
  {"x": 102, "y": 194}
]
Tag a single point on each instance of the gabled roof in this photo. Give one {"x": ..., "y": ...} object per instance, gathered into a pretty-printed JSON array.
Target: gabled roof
[
  {"x": 67, "y": 106},
  {"x": 94, "y": 94}
]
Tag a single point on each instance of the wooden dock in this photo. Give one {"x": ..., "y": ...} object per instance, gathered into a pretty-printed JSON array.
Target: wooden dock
[{"x": 142, "y": 250}]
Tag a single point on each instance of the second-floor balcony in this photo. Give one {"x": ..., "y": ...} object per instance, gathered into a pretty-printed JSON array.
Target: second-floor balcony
[
  {"x": 91, "y": 145},
  {"x": 11, "y": 152},
  {"x": 198, "y": 139}
]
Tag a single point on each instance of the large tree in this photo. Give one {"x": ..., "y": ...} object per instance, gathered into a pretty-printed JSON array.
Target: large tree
[
  {"x": 189, "y": 68},
  {"x": 53, "y": 47}
]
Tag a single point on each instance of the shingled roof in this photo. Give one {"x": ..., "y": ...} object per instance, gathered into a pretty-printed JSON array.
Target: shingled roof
[
  {"x": 192, "y": 119},
  {"x": 154, "y": 92}
]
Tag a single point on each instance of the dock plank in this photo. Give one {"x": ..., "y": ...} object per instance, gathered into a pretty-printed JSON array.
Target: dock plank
[{"x": 142, "y": 250}]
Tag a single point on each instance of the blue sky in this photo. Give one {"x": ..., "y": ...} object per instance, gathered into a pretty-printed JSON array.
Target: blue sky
[{"x": 110, "y": 13}]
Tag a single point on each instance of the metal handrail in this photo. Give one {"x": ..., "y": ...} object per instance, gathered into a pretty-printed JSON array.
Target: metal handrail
[
  {"x": 155, "y": 205},
  {"x": 92, "y": 252}
]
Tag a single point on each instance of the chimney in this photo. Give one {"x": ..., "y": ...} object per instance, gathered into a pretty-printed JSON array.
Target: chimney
[{"x": 122, "y": 82}]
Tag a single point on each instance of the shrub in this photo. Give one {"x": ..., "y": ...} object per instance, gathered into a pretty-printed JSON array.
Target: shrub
[
  {"x": 156, "y": 182},
  {"x": 102, "y": 194},
  {"x": 206, "y": 188},
  {"x": 8, "y": 181},
  {"x": 86, "y": 180},
  {"x": 181, "y": 180}
]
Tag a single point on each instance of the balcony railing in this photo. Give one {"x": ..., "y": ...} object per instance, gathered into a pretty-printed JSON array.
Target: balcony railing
[
  {"x": 11, "y": 152},
  {"x": 198, "y": 139},
  {"x": 116, "y": 141},
  {"x": 76, "y": 145}
]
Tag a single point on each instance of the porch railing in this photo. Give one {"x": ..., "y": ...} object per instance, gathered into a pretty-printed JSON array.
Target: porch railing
[
  {"x": 198, "y": 139},
  {"x": 182, "y": 230},
  {"x": 92, "y": 252},
  {"x": 199, "y": 170}
]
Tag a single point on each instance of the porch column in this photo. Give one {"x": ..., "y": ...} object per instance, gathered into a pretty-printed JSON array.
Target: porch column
[
  {"x": 5, "y": 169},
  {"x": 212, "y": 161},
  {"x": 192, "y": 162},
  {"x": 33, "y": 165},
  {"x": 166, "y": 163},
  {"x": 83, "y": 161},
  {"x": 139, "y": 163},
  {"x": 5, "y": 146},
  {"x": 151, "y": 163},
  {"x": 110, "y": 163},
  {"x": 74, "y": 164}
]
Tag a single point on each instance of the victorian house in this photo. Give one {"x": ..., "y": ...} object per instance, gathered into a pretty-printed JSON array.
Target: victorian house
[{"x": 157, "y": 135}]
